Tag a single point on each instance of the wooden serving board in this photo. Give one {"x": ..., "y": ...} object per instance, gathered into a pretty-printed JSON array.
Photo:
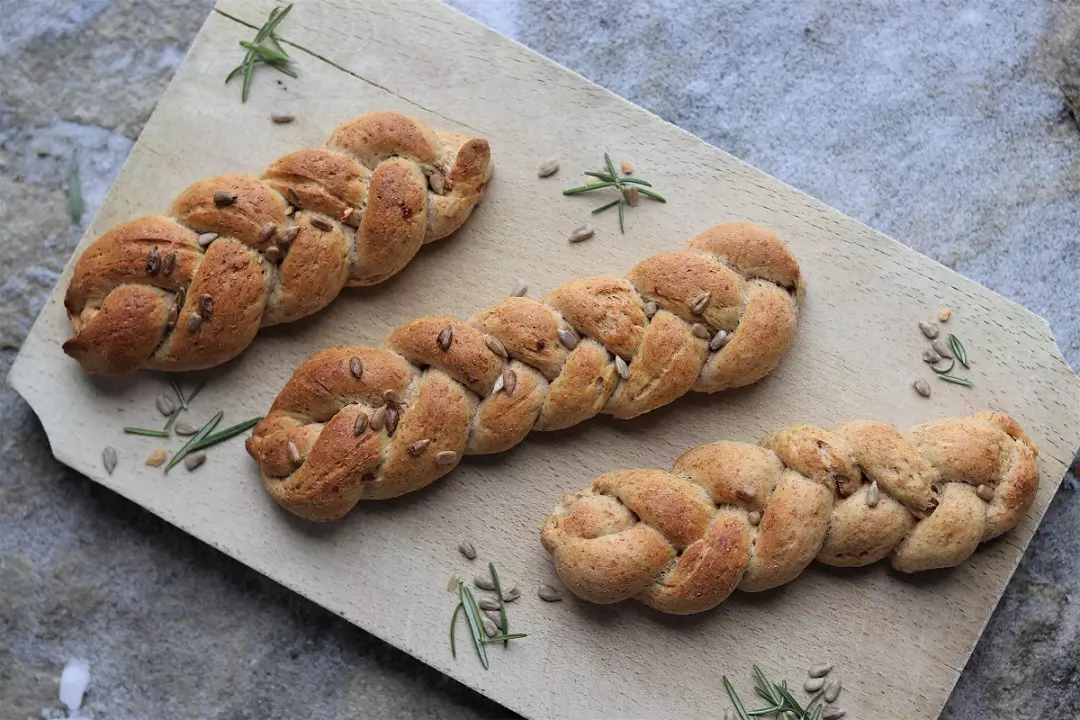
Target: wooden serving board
[{"x": 898, "y": 642}]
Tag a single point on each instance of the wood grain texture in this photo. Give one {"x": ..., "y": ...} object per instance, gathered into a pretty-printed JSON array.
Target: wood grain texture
[{"x": 898, "y": 642}]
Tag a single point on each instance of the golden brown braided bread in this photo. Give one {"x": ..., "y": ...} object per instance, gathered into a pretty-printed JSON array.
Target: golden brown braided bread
[
  {"x": 363, "y": 424},
  {"x": 733, "y": 515},
  {"x": 236, "y": 253}
]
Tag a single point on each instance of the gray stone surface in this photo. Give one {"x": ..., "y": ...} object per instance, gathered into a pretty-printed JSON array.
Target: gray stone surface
[{"x": 945, "y": 127}]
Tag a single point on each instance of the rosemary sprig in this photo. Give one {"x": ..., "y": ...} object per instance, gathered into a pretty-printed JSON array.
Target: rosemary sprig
[
  {"x": 739, "y": 707},
  {"x": 958, "y": 350},
  {"x": 258, "y": 53},
  {"x": 946, "y": 371},
  {"x": 453, "y": 622},
  {"x": 504, "y": 638},
  {"x": 223, "y": 435},
  {"x": 502, "y": 606},
  {"x": 611, "y": 179},
  {"x": 476, "y": 626},
  {"x": 956, "y": 380},
  {"x": 145, "y": 431},
  {"x": 196, "y": 438}
]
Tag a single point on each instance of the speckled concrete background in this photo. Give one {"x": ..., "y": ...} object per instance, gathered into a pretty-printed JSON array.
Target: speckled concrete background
[{"x": 943, "y": 124}]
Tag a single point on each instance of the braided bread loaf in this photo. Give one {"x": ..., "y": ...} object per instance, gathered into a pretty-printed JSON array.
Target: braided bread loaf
[
  {"x": 237, "y": 253},
  {"x": 733, "y": 515},
  {"x": 363, "y": 424}
]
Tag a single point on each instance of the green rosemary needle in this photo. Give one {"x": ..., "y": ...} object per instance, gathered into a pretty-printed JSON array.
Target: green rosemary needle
[
  {"x": 144, "y": 431},
  {"x": 196, "y": 438},
  {"x": 958, "y": 350},
  {"x": 956, "y": 380},
  {"x": 453, "y": 621},
  {"x": 229, "y": 432},
  {"x": 739, "y": 708},
  {"x": 258, "y": 53},
  {"x": 947, "y": 370},
  {"x": 502, "y": 606},
  {"x": 476, "y": 625}
]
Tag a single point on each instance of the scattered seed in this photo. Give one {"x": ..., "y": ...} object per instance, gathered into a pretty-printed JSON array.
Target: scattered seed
[
  {"x": 453, "y": 583},
  {"x": 320, "y": 222},
  {"x": 754, "y": 518},
  {"x": 391, "y": 398},
  {"x": 632, "y": 195},
  {"x": 942, "y": 349},
  {"x": 360, "y": 424},
  {"x": 495, "y": 615},
  {"x": 445, "y": 457},
  {"x": 206, "y": 238},
  {"x": 569, "y": 337},
  {"x": 185, "y": 428},
  {"x": 819, "y": 670},
  {"x": 194, "y": 460},
  {"x": 548, "y": 168},
  {"x": 280, "y": 118},
  {"x": 519, "y": 290},
  {"x": 224, "y": 199},
  {"x": 700, "y": 303},
  {"x": 483, "y": 582},
  {"x": 495, "y": 345},
  {"x": 832, "y": 691},
  {"x": 873, "y": 495},
  {"x": 985, "y": 492},
  {"x": 293, "y": 452},
  {"x": 266, "y": 234},
  {"x": 287, "y": 235},
  {"x": 922, "y": 387},
  {"x": 490, "y": 627},
  {"x": 356, "y": 367},
  {"x": 627, "y": 167},
  {"x": 832, "y": 713},
  {"x": 289, "y": 209},
  {"x": 512, "y": 594},
  {"x": 719, "y": 340},
  {"x": 153, "y": 261},
  {"x": 109, "y": 459},
  {"x": 944, "y": 314},
  {"x": 621, "y": 367},
  {"x": 437, "y": 181},
  {"x": 488, "y": 604},
  {"x": 813, "y": 684},
  {"x": 378, "y": 419},
  {"x": 392, "y": 417},
  {"x": 746, "y": 493},
  {"x": 272, "y": 254},
  {"x": 650, "y": 309},
  {"x": 499, "y": 382},
  {"x": 466, "y": 548},
  {"x": 930, "y": 330},
  {"x": 548, "y": 593},
  {"x": 700, "y": 331},
  {"x": 581, "y": 233},
  {"x": 418, "y": 447},
  {"x": 165, "y": 404},
  {"x": 930, "y": 356},
  {"x": 194, "y": 322},
  {"x": 294, "y": 198},
  {"x": 445, "y": 338},
  {"x": 509, "y": 378},
  {"x": 156, "y": 458},
  {"x": 168, "y": 264}
]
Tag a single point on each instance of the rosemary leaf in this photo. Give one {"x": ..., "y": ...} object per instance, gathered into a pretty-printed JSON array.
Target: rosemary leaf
[
  {"x": 76, "y": 206},
  {"x": 502, "y": 606},
  {"x": 604, "y": 207},
  {"x": 249, "y": 63},
  {"x": 144, "y": 431},
  {"x": 265, "y": 53},
  {"x": 225, "y": 434},
  {"x": 503, "y": 638},
  {"x": 956, "y": 380},
  {"x": 476, "y": 626},
  {"x": 816, "y": 715},
  {"x": 172, "y": 419},
  {"x": 611, "y": 168},
  {"x": 601, "y": 175},
  {"x": 196, "y": 438},
  {"x": 586, "y": 188},
  {"x": 453, "y": 621},
  {"x": 636, "y": 181},
  {"x": 766, "y": 689},
  {"x": 176, "y": 389},
  {"x": 958, "y": 350},
  {"x": 735, "y": 700},
  {"x": 794, "y": 705},
  {"x": 765, "y": 711},
  {"x": 196, "y": 391},
  {"x": 946, "y": 371},
  {"x": 622, "y": 222},
  {"x": 653, "y": 195}
]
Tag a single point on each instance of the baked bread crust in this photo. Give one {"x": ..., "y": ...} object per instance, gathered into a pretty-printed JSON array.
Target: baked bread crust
[
  {"x": 361, "y": 208},
  {"x": 734, "y": 515},
  {"x": 480, "y": 386}
]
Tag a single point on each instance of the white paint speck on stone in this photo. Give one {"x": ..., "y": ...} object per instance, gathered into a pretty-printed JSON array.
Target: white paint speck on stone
[{"x": 73, "y": 682}]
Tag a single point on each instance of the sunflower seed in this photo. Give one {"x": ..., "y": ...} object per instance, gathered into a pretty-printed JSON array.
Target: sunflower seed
[
  {"x": 569, "y": 338},
  {"x": 445, "y": 457},
  {"x": 490, "y": 627},
  {"x": 929, "y": 356},
  {"x": 754, "y": 517},
  {"x": 627, "y": 167},
  {"x": 356, "y": 367},
  {"x": 194, "y": 460},
  {"x": 181, "y": 296},
  {"x": 548, "y": 593},
  {"x": 700, "y": 331},
  {"x": 224, "y": 198},
  {"x": 632, "y": 195},
  {"x": 944, "y": 314},
  {"x": 509, "y": 378},
  {"x": 109, "y": 459},
  {"x": 206, "y": 238},
  {"x": 985, "y": 492},
  {"x": 320, "y": 222},
  {"x": 272, "y": 254},
  {"x": 519, "y": 290},
  {"x": 813, "y": 685},
  {"x": 922, "y": 387},
  {"x": 289, "y": 209},
  {"x": 392, "y": 417},
  {"x": 832, "y": 713},
  {"x": 494, "y": 345},
  {"x": 418, "y": 447},
  {"x": 206, "y": 306},
  {"x": 445, "y": 338},
  {"x": 873, "y": 495},
  {"x": 185, "y": 428},
  {"x": 293, "y": 452},
  {"x": 930, "y": 330},
  {"x": 360, "y": 424},
  {"x": 267, "y": 232},
  {"x": 466, "y": 548},
  {"x": 280, "y": 118},
  {"x": 832, "y": 691},
  {"x": 437, "y": 182},
  {"x": 193, "y": 322},
  {"x": 350, "y": 217},
  {"x": 581, "y": 233},
  {"x": 650, "y": 309},
  {"x": 483, "y": 582},
  {"x": 156, "y": 458},
  {"x": 621, "y": 367},
  {"x": 294, "y": 199},
  {"x": 168, "y": 264},
  {"x": 453, "y": 583},
  {"x": 287, "y": 235},
  {"x": 499, "y": 382},
  {"x": 512, "y": 594},
  {"x": 378, "y": 419},
  {"x": 488, "y": 604},
  {"x": 819, "y": 670},
  {"x": 548, "y": 168},
  {"x": 719, "y": 340},
  {"x": 495, "y": 616},
  {"x": 746, "y": 493},
  {"x": 165, "y": 404},
  {"x": 942, "y": 349},
  {"x": 153, "y": 261}
]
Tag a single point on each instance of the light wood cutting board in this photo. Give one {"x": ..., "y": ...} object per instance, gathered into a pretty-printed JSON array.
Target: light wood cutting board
[{"x": 898, "y": 642}]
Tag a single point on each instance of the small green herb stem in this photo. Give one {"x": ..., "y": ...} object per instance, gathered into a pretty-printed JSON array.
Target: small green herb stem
[
  {"x": 600, "y": 175},
  {"x": 503, "y": 638},
  {"x": 739, "y": 708},
  {"x": 653, "y": 195},
  {"x": 144, "y": 431},
  {"x": 946, "y": 371},
  {"x": 634, "y": 180},
  {"x": 502, "y": 605},
  {"x": 586, "y": 188},
  {"x": 225, "y": 434},
  {"x": 604, "y": 207},
  {"x": 476, "y": 626},
  {"x": 196, "y": 438},
  {"x": 453, "y": 622},
  {"x": 956, "y": 380}
]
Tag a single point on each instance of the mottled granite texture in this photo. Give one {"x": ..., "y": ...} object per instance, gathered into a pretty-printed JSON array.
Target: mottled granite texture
[{"x": 943, "y": 124}]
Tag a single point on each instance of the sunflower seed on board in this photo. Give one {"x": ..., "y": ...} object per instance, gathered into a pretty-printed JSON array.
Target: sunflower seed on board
[
  {"x": 289, "y": 234},
  {"x": 495, "y": 345},
  {"x": 930, "y": 330},
  {"x": 280, "y": 118},
  {"x": 168, "y": 264},
  {"x": 512, "y": 594},
  {"x": 483, "y": 582},
  {"x": 490, "y": 627},
  {"x": 445, "y": 338},
  {"x": 548, "y": 593},
  {"x": 621, "y": 367},
  {"x": 519, "y": 290},
  {"x": 466, "y": 548},
  {"x": 569, "y": 338},
  {"x": 700, "y": 331},
  {"x": 488, "y": 604},
  {"x": 581, "y": 233},
  {"x": 193, "y": 322},
  {"x": 194, "y": 460},
  {"x": 378, "y": 419},
  {"x": 109, "y": 459},
  {"x": 985, "y": 492},
  {"x": 832, "y": 691},
  {"x": 700, "y": 303},
  {"x": 930, "y": 356},
  {"x": 922, "y": 387},
  {"x": 445, "y": 457},
  {"x": 206, "y": 238},
  {"x": 650, "y": 309},
  {"x": 360, "y": 424},
  {"x": 417, "y": 448},
  {"x": 223, "y": 198},
  {"x": 165, "y": 404},
  {"x": 453, "y": 583},
  {"x": 548, "y": 168},
  {"x": 873, "y": 495},
  {"x": 942, "y": 349},
  {"x": 153, "y": 261},
  {"x": 293, "y": 452},
  {"x": 185, "y": 428},
  {"x": 813, "y": 684},
  {"x": 832, "y": 713},
  {"x": 719, "y": 340},
  {"x": 944, "y": 314},
  {"x": 819, "y": 670},
  {"x": 495, "y": 615},
  {"x": 356, "y": 367},
  {"x": 156, "y": 458},
  {"x": 754, "y": 518}
]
